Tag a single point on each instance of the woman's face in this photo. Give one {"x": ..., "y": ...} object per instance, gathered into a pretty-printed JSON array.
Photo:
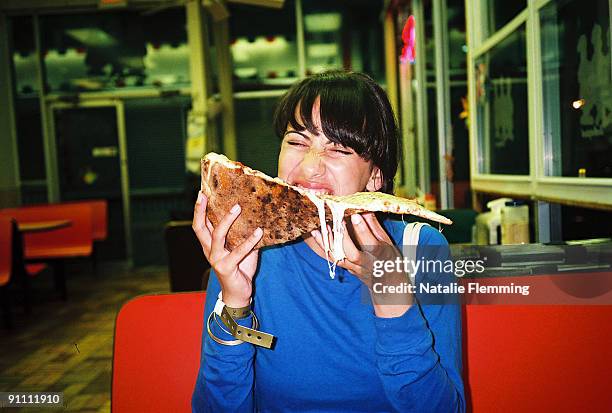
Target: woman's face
[{"x": 314, "y": 162}]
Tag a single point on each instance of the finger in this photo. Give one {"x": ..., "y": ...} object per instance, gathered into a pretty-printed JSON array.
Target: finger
[
  {"x": 199, "y": 222},
  {"x": 241, "y": 251},
  {"x": 318, "y": 237},
  {"x": 316, "y": 234},
  {"x": 219, "y": 234},
  {"x": 357, "y": 270},
  {"x": 364, "y": 235},
  {"x": 330, "y": 242},
  {"x": 351, "y": 251},
  {"x": 376, "y": 227},
  {"x": 209, "y": 225}
]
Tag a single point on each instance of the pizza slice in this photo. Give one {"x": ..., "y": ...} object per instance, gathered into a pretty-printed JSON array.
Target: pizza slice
[{"x": 286, "y": 212}]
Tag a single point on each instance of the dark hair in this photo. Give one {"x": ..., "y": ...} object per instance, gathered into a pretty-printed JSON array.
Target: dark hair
[{"x": 355, "y": 112}]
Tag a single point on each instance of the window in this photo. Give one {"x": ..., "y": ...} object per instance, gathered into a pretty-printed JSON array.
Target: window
[
  {"x": 105, "y": 51},
  {"x": 343, "y": 35},
  {"x": 577, "y": 89},
  {"x": 501, "y": 93},
  {"x": 497, "y": 13},
  {"x": 264, "y": 47}
]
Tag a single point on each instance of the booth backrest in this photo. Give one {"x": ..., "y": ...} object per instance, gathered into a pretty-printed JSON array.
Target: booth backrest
[
  {"x": 99, "y": 215},
  {"x": 73, "y": 241},
  {"x": 530, "y": 358},
  {"x": 6, "y": 249},
  {"x": 187, "y": 265},
  {"x": 517, "y": 358},
  {"x": 156, "y": 353},
  {"x": 99, "y": 209}
]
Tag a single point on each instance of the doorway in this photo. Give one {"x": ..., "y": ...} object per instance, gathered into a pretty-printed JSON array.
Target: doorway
[{"x": 89, "y": 143}]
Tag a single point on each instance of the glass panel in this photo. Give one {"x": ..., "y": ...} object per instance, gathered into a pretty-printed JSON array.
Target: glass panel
[
  {"x": 501, "y": 93},
  {"x": 24, "y": 57},
  {"x": 115, "y": 50},
  {"x": 339, "y": 35},
  {"x": 212, "y": 54},
  {"x": 430, "y": 55},
  {"x": 577, "y": 88},
  {"x": 457, "y": 42},
  {"x": 263, "y": 46},
  {"x": 258, "y": 145},
  {"x": 156, "y": 134},
  {"x": 30, "y": 139},
  {"x": 497, "y": 13},
  {"x": 457, "y": 52},
  {"x": 89, "y": 166}
]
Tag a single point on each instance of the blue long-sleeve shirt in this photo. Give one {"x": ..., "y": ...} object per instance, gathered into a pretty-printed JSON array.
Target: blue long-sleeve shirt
[{"x": 332, "y": 353}]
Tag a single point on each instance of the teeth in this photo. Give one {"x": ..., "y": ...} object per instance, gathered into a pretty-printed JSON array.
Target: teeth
[{"x": 316, "y": 191}]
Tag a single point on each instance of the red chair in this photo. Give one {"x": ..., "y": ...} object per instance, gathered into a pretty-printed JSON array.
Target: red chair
[
  {"x": 73, "y": 241},
  {"x": 6, "y": 250},
  {"x": 516, "y": 358},
  {"x": 99, "y": 210},
  {"x": 6, "y": 267},
  {"x": 533, "y": 358},
  {"x": 12, "y": 267},
  {"x": 156, "y": 353}
]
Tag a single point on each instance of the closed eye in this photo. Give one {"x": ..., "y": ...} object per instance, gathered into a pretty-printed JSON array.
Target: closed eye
[
  {"x": 342, "y": 151},
  {"x": 296, "y": 143}
]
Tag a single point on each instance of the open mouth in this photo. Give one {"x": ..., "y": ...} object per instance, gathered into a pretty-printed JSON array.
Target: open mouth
[{"x": 316, "y": 191}]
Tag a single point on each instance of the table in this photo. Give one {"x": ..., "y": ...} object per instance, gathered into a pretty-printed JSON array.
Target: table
[{"x": 41, "y": 226}]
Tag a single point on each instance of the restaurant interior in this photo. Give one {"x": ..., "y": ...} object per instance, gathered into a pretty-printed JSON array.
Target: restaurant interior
[{"x": 108, "y": 106}]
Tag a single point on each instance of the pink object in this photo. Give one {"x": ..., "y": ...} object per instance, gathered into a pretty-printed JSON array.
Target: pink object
[{"x": 409, "y": 38}]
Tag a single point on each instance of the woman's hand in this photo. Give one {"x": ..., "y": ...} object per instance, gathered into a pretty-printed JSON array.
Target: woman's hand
[
  {"x": 235, "y": 269},
  {"x": 373, "y": 244}
]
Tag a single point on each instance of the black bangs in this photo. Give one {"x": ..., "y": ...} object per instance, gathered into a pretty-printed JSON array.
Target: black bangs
[{"x": 355, "y": 112}]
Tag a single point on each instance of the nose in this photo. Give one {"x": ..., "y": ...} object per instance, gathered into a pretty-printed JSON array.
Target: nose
[{"x": 313, "y": 164}]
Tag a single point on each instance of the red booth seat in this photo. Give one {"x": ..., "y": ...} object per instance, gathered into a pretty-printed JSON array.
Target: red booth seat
[
  {"x": 156, "y": 353},
  {"x": 6, "y": 250},
  {"x": 516, "y": 358},
  {"x": 99, "y": 210},
  {"x": 12, "y": 267},
  {"x": 74, "y": 240},
  {"x": 7, "y": 253}
]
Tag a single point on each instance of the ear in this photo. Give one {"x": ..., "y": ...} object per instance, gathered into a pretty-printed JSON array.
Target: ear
[{"x": 376, "y": 180}]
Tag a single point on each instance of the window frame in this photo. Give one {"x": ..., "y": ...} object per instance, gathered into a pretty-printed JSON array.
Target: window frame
[{"x": 537, "y": 185}]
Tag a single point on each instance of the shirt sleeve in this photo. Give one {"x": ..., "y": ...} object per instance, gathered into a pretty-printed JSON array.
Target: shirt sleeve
[
  {"x": 418, "y": 354},
  {"x": 225, "y": 378}
]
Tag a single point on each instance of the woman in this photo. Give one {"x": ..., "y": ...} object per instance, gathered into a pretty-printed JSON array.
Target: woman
[{"x": 337, "y": 349}]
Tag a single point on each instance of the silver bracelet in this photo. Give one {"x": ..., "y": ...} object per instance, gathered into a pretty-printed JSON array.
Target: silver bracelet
[
  {"x": 254, "y": 324},
  {"x": 250, "y": 335},
  {"x": 221, "y": 341}
]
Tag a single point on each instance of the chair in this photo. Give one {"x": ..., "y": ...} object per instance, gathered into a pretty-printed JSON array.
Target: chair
[
  {"x": 537, "y": 358},
  {"x": 156, "y": 353},
  {"x": 12, "y": 268},
  {"x": 99, "y": 210},
  {"x": 187, "y": 265},
  {"x": 6, "y": 268},
  {"x": 99, "y": 214},
  {"x": 73, "y": 241},
  {"x": 516, "y": 358}
]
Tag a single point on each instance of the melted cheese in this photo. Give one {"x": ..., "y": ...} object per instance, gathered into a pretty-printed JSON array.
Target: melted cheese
[
  {"x": 320, "y": 204},
  {"x": 337, "y": 209},
  {"x": 334, "y": 252}
]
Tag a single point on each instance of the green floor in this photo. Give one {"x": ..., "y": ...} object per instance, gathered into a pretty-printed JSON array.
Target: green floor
[{"x": 68, "y": 346}]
